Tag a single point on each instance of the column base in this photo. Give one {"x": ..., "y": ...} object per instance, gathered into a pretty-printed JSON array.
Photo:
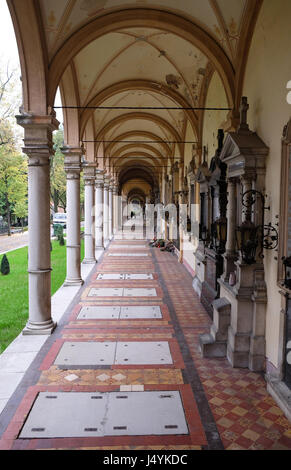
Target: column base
[
  {"x": 73, "y": 282},
  {"x": 89, "y": 261},
  {"x": 45, "y": 328}
]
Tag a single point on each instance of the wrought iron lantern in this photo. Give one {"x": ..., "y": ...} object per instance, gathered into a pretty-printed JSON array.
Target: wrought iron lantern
[
  {"x": 287, "y": 268},
  {"x": 247, "y": 241},
  {"x": 249, "y": 236},
  {"x": 219, "y": 234}
]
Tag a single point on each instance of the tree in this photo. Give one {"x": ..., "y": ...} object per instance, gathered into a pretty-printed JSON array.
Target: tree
[
  {"x": 58, "y": 175},
  {"x": 10, "y": 98},
  {"x": 13, "y": 184},
  {"x": 13, "y": 165}
]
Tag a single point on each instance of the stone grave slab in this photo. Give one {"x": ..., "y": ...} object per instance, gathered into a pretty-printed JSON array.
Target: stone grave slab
[
  {"x": 106, "y": 292},
  {"x": 86, "y": 353},
  {"x": 143, "y": 352},
  {"x": 139, "y": 292},
  {"x": 132, "y": 312},
  {"x": 85, "y": 414},
  {"x": 110, "y": 276},
  {"x": 142, "y": 277},
  {"x": 99, "y": 313},
  {"x": 128, "y": 254}
]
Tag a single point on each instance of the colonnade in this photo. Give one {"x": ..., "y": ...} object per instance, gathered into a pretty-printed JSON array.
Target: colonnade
[{"x": 101, "y": 217}]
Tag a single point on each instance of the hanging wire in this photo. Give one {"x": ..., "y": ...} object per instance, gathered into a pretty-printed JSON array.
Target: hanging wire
[
  {"x": 181, "y": 108},
  {"x": 143, "y": 141}
]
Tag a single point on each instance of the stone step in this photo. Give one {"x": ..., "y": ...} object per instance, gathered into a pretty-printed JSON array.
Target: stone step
[{"x": 211, "y": 348}]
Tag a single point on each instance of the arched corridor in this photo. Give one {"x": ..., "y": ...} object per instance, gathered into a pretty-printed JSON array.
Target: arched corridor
[
  {"x": 129, "y": 333},
  {"x": 176, "y": 116}
]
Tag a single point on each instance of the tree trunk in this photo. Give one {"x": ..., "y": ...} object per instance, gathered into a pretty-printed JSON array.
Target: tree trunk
[
  {"x": 56, "y": 200},
  {"x": 8, "y": 214}
]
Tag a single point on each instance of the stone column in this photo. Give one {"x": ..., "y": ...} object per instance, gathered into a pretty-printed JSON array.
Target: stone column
[
  {"x": 89, "y": 180},
  {"x": 230, "y": 247},
  {"x": 106, "y": 211},
  {"x": 38, "y": 147},
  {"x": 99, "y": 186},
  {"x": 115, "y": 208},
  {"x": 72, "y": 165},
  {"x": 110, "y": 210}
]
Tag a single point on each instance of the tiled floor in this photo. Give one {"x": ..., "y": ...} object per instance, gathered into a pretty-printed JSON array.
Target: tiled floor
[{"x": 224, "y": 408}]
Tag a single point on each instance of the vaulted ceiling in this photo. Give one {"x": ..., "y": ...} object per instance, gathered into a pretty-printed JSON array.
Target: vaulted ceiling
[{"x": 140, "y": 54}]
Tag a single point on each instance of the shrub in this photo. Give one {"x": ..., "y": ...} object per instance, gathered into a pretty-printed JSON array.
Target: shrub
[
  {"x": 62, "y": 241},
  {"x": 58, "y": 231},
  {"x": 5, "y": 267}
]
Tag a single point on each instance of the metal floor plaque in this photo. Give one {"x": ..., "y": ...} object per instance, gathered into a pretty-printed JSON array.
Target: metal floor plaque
[
  {"x": 114, "y": 276},
  {"x": 140, "y": 312},
  {"x": 139, "y": 292},
  {"x": 122, "y": 292},
  {"x": 127, "y": 254},
  {"x": 143, "y": 352},
  {"x": 84, "y": 414},
  {"x": 105, "y": 312},
  {"x": 106, "y": 292},
  {"x": 99, "y": 313},
  {"x": 86, "y": 353},
  {"x": 111, "y": 276},
  {"x": 138, "y": 247},
  {"x": 134, "y": 277}
]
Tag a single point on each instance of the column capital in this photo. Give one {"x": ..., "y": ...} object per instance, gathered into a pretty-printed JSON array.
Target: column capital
[
  {"x": 72, "y": 161},
  {"x": 33, "y": 121},
  {"x": 99, "y": 178},
  {"x": 115, "y": 189},
  {"x": 89, "y": 169},
  {"x": 38, "y": 142},
  {"x": 106, "y": 182}
]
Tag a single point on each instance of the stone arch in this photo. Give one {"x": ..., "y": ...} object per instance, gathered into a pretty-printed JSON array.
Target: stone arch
[
  {"x": 139, "y": 115},
  {"x": 119, "y": 160},
  {"x": 32, "y": 55},
  {"x": 145, "y": 134},
  {"x": 143, "y": 17},
  {"x": 144, "y": 85},
  {"x": 70, "y": 95}
]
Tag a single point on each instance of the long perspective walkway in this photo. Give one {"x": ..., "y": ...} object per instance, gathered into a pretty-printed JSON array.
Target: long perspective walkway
[{"x": 123, "y": 370}]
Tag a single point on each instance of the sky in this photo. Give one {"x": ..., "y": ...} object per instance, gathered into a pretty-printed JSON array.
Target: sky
[
  {"x": 8, "y": 46},
  {"x": 9, "y": 51}
]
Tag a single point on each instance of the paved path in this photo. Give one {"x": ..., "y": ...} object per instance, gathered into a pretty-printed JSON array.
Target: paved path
[
  {"x": 17, "y": 240},
  {"x": 123, "y": 371}
]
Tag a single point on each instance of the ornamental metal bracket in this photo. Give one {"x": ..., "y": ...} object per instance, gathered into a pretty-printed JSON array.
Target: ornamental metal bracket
[{"x": 269, "y": 236}]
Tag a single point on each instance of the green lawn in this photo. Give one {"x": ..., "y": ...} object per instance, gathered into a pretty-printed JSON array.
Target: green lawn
[{"x": 14, "y": 290}]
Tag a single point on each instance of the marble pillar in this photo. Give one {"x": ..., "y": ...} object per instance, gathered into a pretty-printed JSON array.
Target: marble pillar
[
  {"x": 38, "y": 146},
  {"x": 230, "y": 247},
  {"x": 89, "y": 180},
  {"x": 106, "y": 211},
  {"x": 72, "y": 164},
  {"x": 110, "y": 211},
  {"x": 115, "y": 208},
  {"x": 99, "y": 188}
]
